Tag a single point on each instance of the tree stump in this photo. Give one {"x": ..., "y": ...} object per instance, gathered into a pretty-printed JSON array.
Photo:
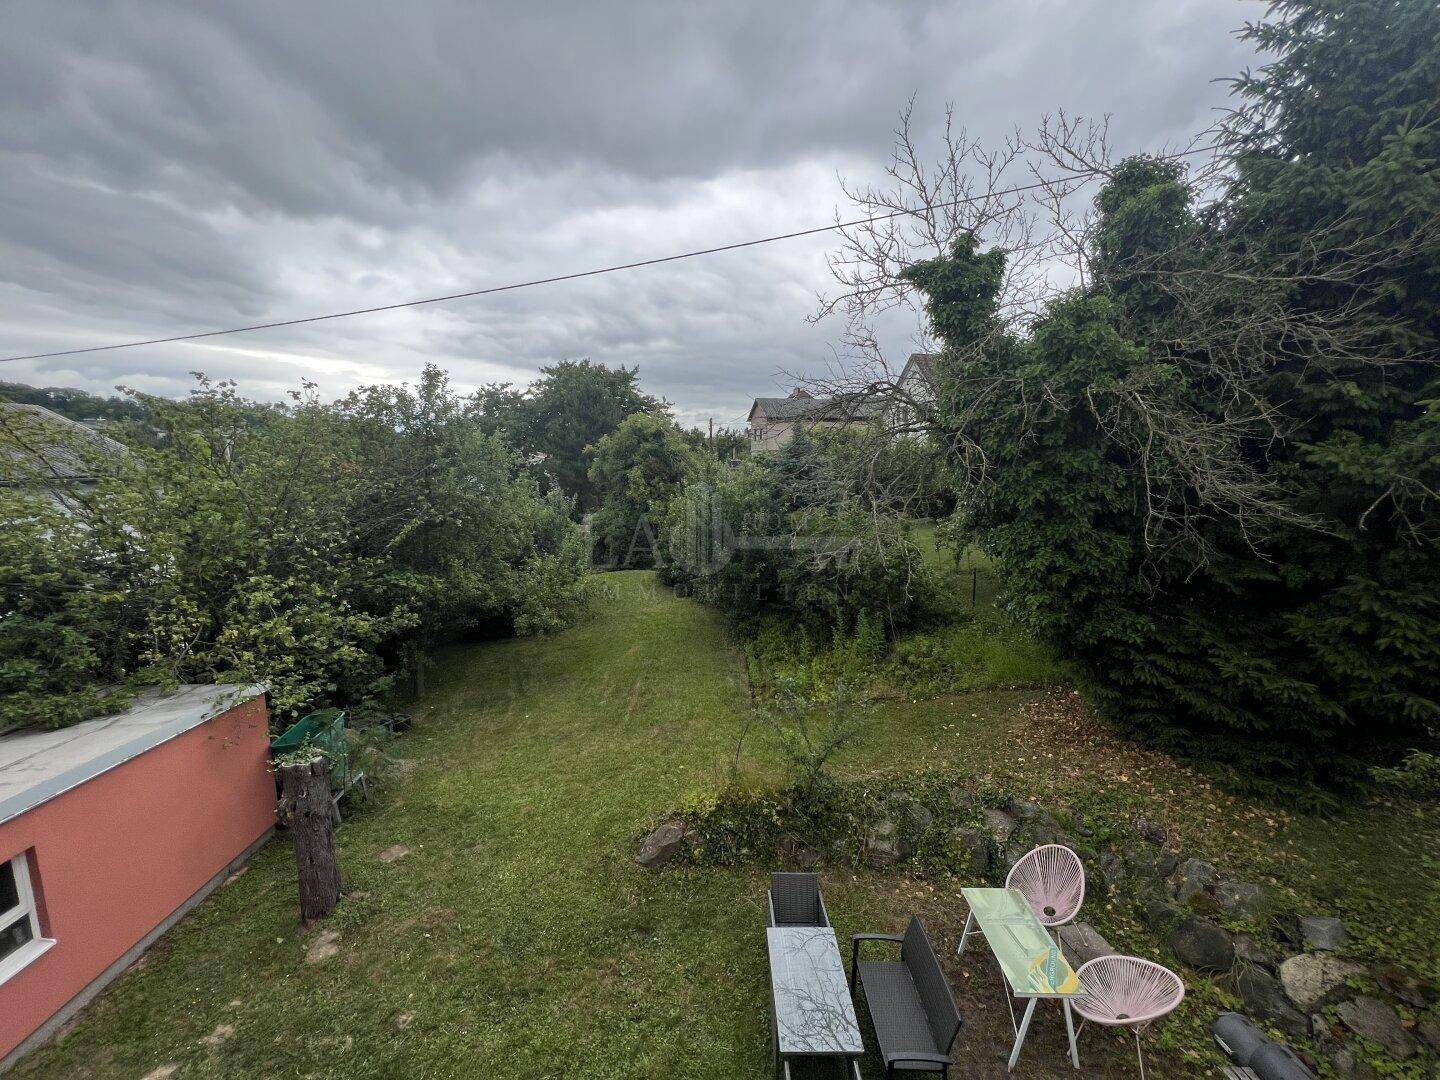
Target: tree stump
[{"x": 305, "y": 808}]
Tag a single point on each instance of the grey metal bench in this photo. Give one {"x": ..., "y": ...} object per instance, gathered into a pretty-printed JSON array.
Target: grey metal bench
[{"x": 911, "y": 1006}]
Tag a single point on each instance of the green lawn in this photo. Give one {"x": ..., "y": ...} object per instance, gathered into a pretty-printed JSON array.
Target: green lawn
[{"x": 519, "y": 938}]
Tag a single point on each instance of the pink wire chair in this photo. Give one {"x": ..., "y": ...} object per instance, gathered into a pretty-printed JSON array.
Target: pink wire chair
[
  {"x": 1126, "y": 991},
  {"x": 1052, "y": 880}
]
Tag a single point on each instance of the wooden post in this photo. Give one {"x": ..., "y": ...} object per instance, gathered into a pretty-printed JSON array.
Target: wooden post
[{"x": 305, "y": 808}]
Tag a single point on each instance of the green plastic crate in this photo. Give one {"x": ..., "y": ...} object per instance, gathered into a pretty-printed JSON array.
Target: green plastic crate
[{"x": 326, "y": 730}]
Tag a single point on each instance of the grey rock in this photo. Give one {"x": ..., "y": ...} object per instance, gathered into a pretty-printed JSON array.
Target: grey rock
[
  {"x": 975, "y": 845},
  {"x": 1287, "y": 931},
  {"x": 1048, "y": 832},
  {"x": 1028, "y": 811},
  {"x": 1409, "y": 987},
  {"x": 1159, "y": 916},
  {"x": 1429, "y": 1031},
  {"x": 1241, "y": 899},
  {"x": 1191, "y": 878},
  {"x": 920, "y": 816},
  {"x": 1372, "y": 1019},
  {"x": 1154, "y": 864},
  {"x": 964, "y": 797},
  {"x": 661, "y": 845},
  {"x": 1203, "y": 945},
  {"x": 1254, "y": 951},
  {"x": 882, "y": 845},
  {"x": 807, "y": 858},
  {"x": 1351, "y": 1067},
  {"x": 1313, "y": 980},
  {"x": 325, "y": 945},
  {"x": 1324, "y": 932},
  {"x": 1148, "y": 830},
  {"x": 1081, "y": 942},
  {"x": 1265, "y": 999},
  {"x": 1002, "y": 826},
  {"x": 1112, "y": 868}
]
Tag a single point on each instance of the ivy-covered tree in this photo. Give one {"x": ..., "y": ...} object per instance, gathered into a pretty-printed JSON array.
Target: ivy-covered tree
[{"x": 1210, "y": 475}]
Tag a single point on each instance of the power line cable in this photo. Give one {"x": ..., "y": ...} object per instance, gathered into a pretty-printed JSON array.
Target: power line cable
[{"x": 797, "y": 234}]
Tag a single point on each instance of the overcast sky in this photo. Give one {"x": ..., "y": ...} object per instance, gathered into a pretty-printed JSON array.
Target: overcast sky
[{"x": 166, "y": 168}]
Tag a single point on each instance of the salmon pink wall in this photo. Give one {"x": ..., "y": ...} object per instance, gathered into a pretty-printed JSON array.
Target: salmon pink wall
[{"x": 113, "y": 858}]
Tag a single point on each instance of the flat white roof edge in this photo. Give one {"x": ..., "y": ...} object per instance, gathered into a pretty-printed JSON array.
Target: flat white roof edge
[{"x": 207, "y": 709}]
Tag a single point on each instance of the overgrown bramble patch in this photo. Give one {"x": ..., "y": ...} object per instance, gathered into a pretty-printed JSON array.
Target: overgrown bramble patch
[
  {"x": 931, "y": 820},
  {"x": 878, "y": 821}
]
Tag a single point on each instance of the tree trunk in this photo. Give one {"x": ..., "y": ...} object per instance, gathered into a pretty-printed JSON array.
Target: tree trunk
[
  {"x": 305, "y": 807},
  {"x": 417, "y": 669}
]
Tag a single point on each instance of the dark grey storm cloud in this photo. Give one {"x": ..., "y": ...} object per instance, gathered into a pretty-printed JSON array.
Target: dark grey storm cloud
[{"x": 172, "y": 167}]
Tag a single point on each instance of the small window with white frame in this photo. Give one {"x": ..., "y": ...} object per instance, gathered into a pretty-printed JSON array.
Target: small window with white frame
[{"x": 20, "y": 940}]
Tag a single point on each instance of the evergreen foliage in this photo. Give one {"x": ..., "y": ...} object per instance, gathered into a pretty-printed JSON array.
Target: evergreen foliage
[{"x": 1210, "y": 475}]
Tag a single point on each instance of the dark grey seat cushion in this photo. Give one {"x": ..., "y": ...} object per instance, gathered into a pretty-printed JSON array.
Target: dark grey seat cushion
[{"x": 897, "y": 1013}]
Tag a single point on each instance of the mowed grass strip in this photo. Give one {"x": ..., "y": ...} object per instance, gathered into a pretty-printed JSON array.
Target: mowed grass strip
[{"x": 518, "y": 937}]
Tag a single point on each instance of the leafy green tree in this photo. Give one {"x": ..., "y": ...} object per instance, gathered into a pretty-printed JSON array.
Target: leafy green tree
[
  {"x": 634, "y": 471},
  {"x": 555, "y": 421},
  {"x": 726, "y": 443},
  {"x": 74, "y": 404}
]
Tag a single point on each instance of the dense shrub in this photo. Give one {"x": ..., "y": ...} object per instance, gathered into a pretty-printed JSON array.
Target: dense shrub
[
  {"x": 319, "y": 548},
  {"x": 936, "y": 821},
  {"x": 764, "y": 539},
  {"x": 982, "y": 653},
  {"x": 965, "y": 653}
]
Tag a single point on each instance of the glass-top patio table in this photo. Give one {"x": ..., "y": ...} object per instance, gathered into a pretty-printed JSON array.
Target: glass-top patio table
[
  {"x": 1029, "y": 959},
  {"x": 810, "y": 1005}
]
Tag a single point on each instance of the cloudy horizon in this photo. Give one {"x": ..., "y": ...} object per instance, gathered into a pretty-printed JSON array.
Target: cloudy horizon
[{"x": 172, "y": 168}]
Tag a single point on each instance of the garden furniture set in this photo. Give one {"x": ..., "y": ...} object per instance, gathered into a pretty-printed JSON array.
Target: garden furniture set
[{"x": 912, "y": 1009}]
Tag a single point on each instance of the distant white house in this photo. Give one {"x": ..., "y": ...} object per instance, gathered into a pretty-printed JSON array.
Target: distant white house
[{"x": 774, "y": 421}]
